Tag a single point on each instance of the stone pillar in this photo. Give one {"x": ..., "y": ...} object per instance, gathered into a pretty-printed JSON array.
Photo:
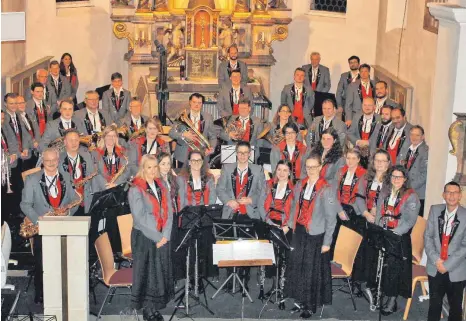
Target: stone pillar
[
  {"x": 448, "y": 95},
  {"x": 66, "y": 270}
]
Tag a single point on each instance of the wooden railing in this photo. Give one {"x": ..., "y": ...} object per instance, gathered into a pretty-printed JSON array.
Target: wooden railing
[{"x": 20, "y": 81}]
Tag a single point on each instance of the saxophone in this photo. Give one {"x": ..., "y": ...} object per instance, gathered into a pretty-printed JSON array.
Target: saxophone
[
  {"x": 120, "y": 171},
  {"x": 28, "y": 229},
  {"x": 85, "y": 180}
]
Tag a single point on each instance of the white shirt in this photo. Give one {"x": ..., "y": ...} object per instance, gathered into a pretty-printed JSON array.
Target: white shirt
[
  {"x": 26, "y": 123},
  {"x": 95, "y": 120},
  {"x": 375, "y": 185},
  {"x": 233, "y": 65},
  {"x": 55, "y": 80},
  {"x": 348, "y": 178},
  {"x": 315, "y": 71},
  {"x": 242, "y": 173},
  {"x": 280, "y": 193},
  {"x": 379, "y": 102},
  {"x": 111, "y": 159},
  {"x": 14, "y": 120},
  {"x": 244, "y": 121},
  {"x": 117, "y": 91},
  {"x": 75, "y": 164},
  {"x": 449, "y": 218},
  {"x": 367, "y": 123},
  {"x": 151, "y": 146},
  {"x": 327, "y": 123},
  {"x": 154, "y": 190},
  {"x": 413, "y": 149},
  {"x": 290, "y": 150},
  {"x": 366, "y": 85},
  {"x": 354, "y": 76},
  {"x": 38, "y": 104},
  {"x": 298, "y": 90},
  {"x": 195, "y": 117},
  {"x": 136, "y": 121},
  {"x": 66, "y": 123},
  {"x": 397, "y": 135},
  {"x": 392, "y": 199},
  {"x": 197, "y": 184},
  {"x": 51, "y": 183},
  {"x": 236, "y": 93},
  {"x": 308, "y": 191}
]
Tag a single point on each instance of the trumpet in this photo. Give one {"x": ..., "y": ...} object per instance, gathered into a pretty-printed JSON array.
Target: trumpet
[
  {"x": 199, "y": 143},
  {"x": 6, "y": 171}
]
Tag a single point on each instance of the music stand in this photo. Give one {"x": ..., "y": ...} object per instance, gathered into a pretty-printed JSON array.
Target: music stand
[
  {"x": 230, "y": 229},
  {"x": 388, "y": 243}
]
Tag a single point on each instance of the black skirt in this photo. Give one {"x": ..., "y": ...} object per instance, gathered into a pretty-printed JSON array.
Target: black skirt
[
  {"x": 308, "y": 274},
  {"x": 152, "y": 273}
]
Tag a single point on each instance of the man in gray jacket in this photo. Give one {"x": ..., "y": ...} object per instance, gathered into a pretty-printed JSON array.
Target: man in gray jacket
[
  {"x": 346, "y": 79},
  {"x": 116, "y": 99},
  {"x": 381, "y": 96},
  {"x": 229, "y": 97},
  {"x": 317, "y": 75},
  {"x": 327, "y": 120},
  {"x": 357, "y": 91},
  {"x": 398, "y": 140},
  {"x": 91, "y": 118},
  {"x": 226, "y": 67},
  {"x": 59, "y": 88},
  {"x": 445, "y": 246}
]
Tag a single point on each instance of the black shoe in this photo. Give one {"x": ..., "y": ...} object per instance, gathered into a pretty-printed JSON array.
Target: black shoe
[
  {"x": 158, "y": 316},
  {"x": 281, "y": 305},
  {"x": 262, "y": 296},
  {"x": 306, "y": 314},
  {"x": 390, "y": 307},
  {"x": 39, "y": 299}
]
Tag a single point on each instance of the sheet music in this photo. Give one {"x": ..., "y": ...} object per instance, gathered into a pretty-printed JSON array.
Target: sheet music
[
  {"x": 243, "y": 250},
  {"x": 222, "y": 252}
]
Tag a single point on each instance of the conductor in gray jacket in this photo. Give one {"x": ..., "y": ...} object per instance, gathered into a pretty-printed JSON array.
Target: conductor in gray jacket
[
  {"x": 346, "y": 79},
  {"x": 317, "y": 75},
  {"x": 445, "y": 246},
  {"x": 226, "y": 67}
]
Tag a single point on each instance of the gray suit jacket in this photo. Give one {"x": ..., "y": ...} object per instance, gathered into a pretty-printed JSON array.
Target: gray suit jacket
[
  {"x": 12, "y": 144},
  {"x": 323, "y": 78},
  {"x": 276, "y": 155},
  {"x": 258, "y": 126},
  {"x": 108, "y": 104},
  {"x": 63, "y": 91},
  {"x": 34, "y": 202},
  {"x": 33, "y": 133},
  {"x": 82, "y": 117},
  {"x": 183, "y": 192},
  {"x": 353, "y": 102},
  {"x": 225, "y": 100},
  {"x": 55, "y": 130},
  {"x": 288, "y": 97},
  {"x": 224, "y": 80},
  {"x": 254, "y": 189},
  {"x": 99, "y": 181},
  {"x": 143, "y": 218},
  {"x": 209, "y": 131},
  {"x": 88, "y": 167},
  {"x": 417, "y": 173},
  {"x": 138, "y": 147},
  {"x": 32, "y": 114},
  {"x": 324, "y": 215},
  {"x": 26, "y": 140},
  {"x": 456, "y": 262},
  {"x": 332, "y": 170},
  {"x": 315, "y": 130},
  {"x": 128, "y": 121},
  {"x": 405, "y": 142},
  {"x": 354, "y": 132},
  {"x": 345, "y": 81}
]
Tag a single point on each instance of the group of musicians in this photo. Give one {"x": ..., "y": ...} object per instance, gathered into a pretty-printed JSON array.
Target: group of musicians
[{"x": 318, "y": 183}]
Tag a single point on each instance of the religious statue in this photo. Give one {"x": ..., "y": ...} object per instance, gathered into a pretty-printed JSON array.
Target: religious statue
[
  {"x": 226, "y": 37},
  {"x": 161, "y": 5},
  {"x": 277, "y": 4},
  {"x": 242, "y": 6},
  {"x": 144, "y": 5},
  {"x": 457, "y": 136},
  {"x": 174, "y": 42}
]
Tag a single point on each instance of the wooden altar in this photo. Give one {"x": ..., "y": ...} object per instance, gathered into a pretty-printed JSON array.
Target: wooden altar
[{"x": 197, "y": 34}]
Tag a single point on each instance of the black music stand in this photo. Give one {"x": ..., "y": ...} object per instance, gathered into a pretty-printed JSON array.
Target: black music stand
[{"x": 388, "y": 243}]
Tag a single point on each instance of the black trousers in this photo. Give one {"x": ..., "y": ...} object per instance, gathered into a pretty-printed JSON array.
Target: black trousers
[
  {"x": 39, "y": 271},
  {"x": 440, "y": 285}
]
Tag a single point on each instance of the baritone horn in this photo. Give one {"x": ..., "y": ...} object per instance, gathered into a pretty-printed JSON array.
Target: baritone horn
[{"x": 199, "y": 143}]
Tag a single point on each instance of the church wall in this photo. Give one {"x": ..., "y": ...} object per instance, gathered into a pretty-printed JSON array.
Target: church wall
[
  {"x": 84, "y": 32},
  {"x": 335, "y": 36}
]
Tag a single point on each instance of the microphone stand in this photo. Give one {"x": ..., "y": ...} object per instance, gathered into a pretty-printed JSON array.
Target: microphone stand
[{"x": 162, "y": 87}]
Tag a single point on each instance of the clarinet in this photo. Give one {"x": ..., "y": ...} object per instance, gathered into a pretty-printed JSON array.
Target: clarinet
[
  {"x": 378, "y": 277},
  {"x": 261, "y": 283},
  {"x": 282, "y": 281}
]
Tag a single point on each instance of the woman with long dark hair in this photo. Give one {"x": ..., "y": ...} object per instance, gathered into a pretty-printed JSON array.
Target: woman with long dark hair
[
  {"x": 68, "y": 70},
  {"x": 331, "y": 153},
  {"x": 151, "y": 208},
  {"x": 313, "y": 219},
  {"x": 397, "y": 210}
]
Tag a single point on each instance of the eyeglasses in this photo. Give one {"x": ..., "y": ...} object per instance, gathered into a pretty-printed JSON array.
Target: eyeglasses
[
  {"x": 242, "y": 153},
  {"x": 196, "y": 161},
  {"x": 312, "y": 167},
  {"x": 397, "y": 177},
  {"x": 290, "y": 133},
  {"x": 380, "y": 161}
]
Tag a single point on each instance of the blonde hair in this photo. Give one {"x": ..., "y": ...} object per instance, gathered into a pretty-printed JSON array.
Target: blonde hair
[
  {"x": 156, "y": 122},
  {"x": 105, "y": 132},
  {"x": 144, "y": 160}
]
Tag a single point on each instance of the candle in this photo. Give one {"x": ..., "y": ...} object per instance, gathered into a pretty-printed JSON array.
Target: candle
[{"x": 137, "y": 35}]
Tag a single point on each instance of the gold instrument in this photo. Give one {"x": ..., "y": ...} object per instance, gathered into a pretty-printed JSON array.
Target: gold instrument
[
  {"x": 85, "y": 180},
  {"x": 123, "y": 131},
  {"x": 28, "y": 229},
  {"x": 120, "y": 171},
  {"x": 454, "y": 134},
  {"x": 199, "y": 143},
  {"x": 273, "y": 136},
  {"x": 237, "y": 130},
  {"x": 58, "y": 143},
  {"x": 139, "y": 133}
]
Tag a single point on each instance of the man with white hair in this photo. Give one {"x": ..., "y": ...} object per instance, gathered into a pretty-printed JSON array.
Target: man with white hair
[{"x": 317, "y": 75}]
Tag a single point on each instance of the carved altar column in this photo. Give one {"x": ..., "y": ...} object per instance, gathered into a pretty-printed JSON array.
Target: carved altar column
[{"x": 448, "y": 96}]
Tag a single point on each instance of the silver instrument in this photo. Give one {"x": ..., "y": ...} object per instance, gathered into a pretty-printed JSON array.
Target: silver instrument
[
  {"x": 6, "y": 171},
  {"x": 378, "y": 278},
  {"x": 261, "y": 282}
]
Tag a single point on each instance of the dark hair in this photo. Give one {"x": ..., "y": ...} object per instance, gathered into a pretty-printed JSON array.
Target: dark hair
[
  {"x": 335, "y": 153},
  {"x": 276, "y": 117},
  {"x": 232, "y": 46},
  {"x": 451, "y": 183},
  {"x": 370, "y": 174},
  {"x": 171, "y": 178},
  {"x": 354, "y": 57},
  {"x": 406, "y": 184},
  {"x": 314, "y": 155},
  {"x": 9, "y": 95},
  {"x": 387, "y": 106},
  {"x": 197, "y": 95},
  {"x": 418, "y": 127},
  {"x": 235, "y": 71},
  {"x": 292, "y": 126},
  {"x": 116, "y": 75},
  {"x": 53, "y": 63},
  {"x": 364, "y": 66},
  {"x": 299, "y": 69},
  {"x": 400, "y": 109},
  {"x": 286, "y": 163},
  {"x": 242, "y": 143},
  {"x": 35, "y": 85},
  {"x": 62, "y": 65},
  {"x": 66, "y": 101},
  {"x": 71, "y": 130},
  {"x": 329, "y": 101},
  {"x": 382, "y": 82},
  {"x": 243, "y": 101},
  {"x": 186, "y": 170}
]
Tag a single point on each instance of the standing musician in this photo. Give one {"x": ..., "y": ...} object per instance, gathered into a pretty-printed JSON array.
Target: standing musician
[
  {"x": 327, "y": 120},
  {"x": 397, "y": 210},
  {"x": 115, "y": 100},
  {"x": 92, "y": 119},
  {"x": 79, "y": 164},
  {"x": 381, "y": 96},
  {"x": 445, "y": 240},
  {"x": 331, "y": 154},
  {"x": 399, "y": 140},
  {"x": 59, "y": 88},
  {"x": 277, "y": 208},
  {"x": 134, "y": 120},
  {"x": 203, "y": 123},
  {"x": 240, "y": 189},
  {"x": 149, "y": 142},
  {"x": 152, "y": 211},
  {"x": 290, "y": 149},
  {"x": 42, "y": 76},
  {"x": 31, "y": 130},
  {"x": 383, "y": 127},
  {"x": 37, "y": 110},
  {"x": 57, "y": 127},
  {"x": 46, "y": 192},
  {"x": 230, "y": 96},
  {"x": 226, "y": 68},
  {"x": 346, "y": 79},
  {"x": 308, "y": 274},
  {"x": 357, "y": 91},
  {"x": 300, "y": 98},
  {"x": 317, "y": 75}
]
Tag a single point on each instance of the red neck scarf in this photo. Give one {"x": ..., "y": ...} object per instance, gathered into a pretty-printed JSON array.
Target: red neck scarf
[
  {"x": 393, "y": 212},
  {"x": 298, "y": 154},
  {"x": 160, "y": 212},
  {"x": 279, "y": 204}
]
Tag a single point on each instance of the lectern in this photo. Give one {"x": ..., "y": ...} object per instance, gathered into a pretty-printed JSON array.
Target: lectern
[{"x": 66, "y": 270}]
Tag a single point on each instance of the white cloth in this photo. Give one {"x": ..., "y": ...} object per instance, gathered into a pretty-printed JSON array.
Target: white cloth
[
  {"x": 392, "y": 199},
  {"x": 136, "y": 121},
  {"x": 379, "y": 103},
  {"x": 385, "y": 130},
  {"x": 14, "y": 120},
  {"x": 195, "y": 118},
  {"x": 233, "y": 66},
  {"x": 396, "y": 136},
  {"x": 367, "y": 123},
  {"x": 66, "y": 123},
  {"x": 197, "y": 184},
  {"x": 375, "y": 185},
  {"x": 75, "y": 164},
  {"x": 449, "y": 218},
  {"x": 242, "y": 173},
  {"x": 327, "y": 123},
  {"x": 280, "y": 193},
  {"x": 315, "y": 71},
  {"x": 366, "y": 86},
  {"x": 38, "y": 104},
  {"x": 291, "y": 150},
  {"x": 154, "y": 190},
  {"x": 25, "y": 121},
  {"x": 413, "y": 149},
  {"x": 236, "y": 92},
  {"x": 244, "y": 121},
  {"x": 298, "y": 90},
  {"x": 95, "y": 120},
  {"x": 348, "y": 178},
  {"x": 51, "y": 183},
  {"x": 55, "y": 80},
  {"x": 308, "y": 191},
  {"x": 354, "y": 76},
  {"x": 151, "y": 146}
]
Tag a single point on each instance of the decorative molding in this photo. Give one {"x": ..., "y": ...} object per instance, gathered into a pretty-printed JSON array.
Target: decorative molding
[
  {"x": 120, "y": 32},
  {"x": 280, "y": 34},
  {"x": 449, "y": 12}
]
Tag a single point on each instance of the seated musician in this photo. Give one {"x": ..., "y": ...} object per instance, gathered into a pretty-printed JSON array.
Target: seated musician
[
  {"x": 229, "y": 97},
  {"x": 313, "y": 221},
  {"x": 397, "y": 210},
  {"x": 377, "y": 176},
  {"x": 290, "y": 149},
  {"x": 277, "y": 208},
  {"x": 79, "y": 164},
  {"x": 149, "y": 142},
  {"x": 327, "y": 120},
  {"x": 150, "y": 204},
  {"x": 31, "y": 131},
  {"x": 45, "y": 192},
  {"x": 331, "y": 154},
  {"x": 300, "y": 98},
  {"x": 93, "y": 119},
  {"x": 281, "y": 118},
  {"x": 240, "y": 188},
  {"x": 57, "y": 127},
  {"x": 203, "y": 124},
  {"x": 362, "y": 132},
  {"x": 134, "y": 120}
]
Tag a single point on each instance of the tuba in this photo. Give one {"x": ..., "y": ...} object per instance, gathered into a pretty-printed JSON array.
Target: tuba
[{"x": 199, "y": 143}]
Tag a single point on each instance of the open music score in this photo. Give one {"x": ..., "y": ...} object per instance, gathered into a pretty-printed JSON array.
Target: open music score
[{"x": 243, "y": 253}]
